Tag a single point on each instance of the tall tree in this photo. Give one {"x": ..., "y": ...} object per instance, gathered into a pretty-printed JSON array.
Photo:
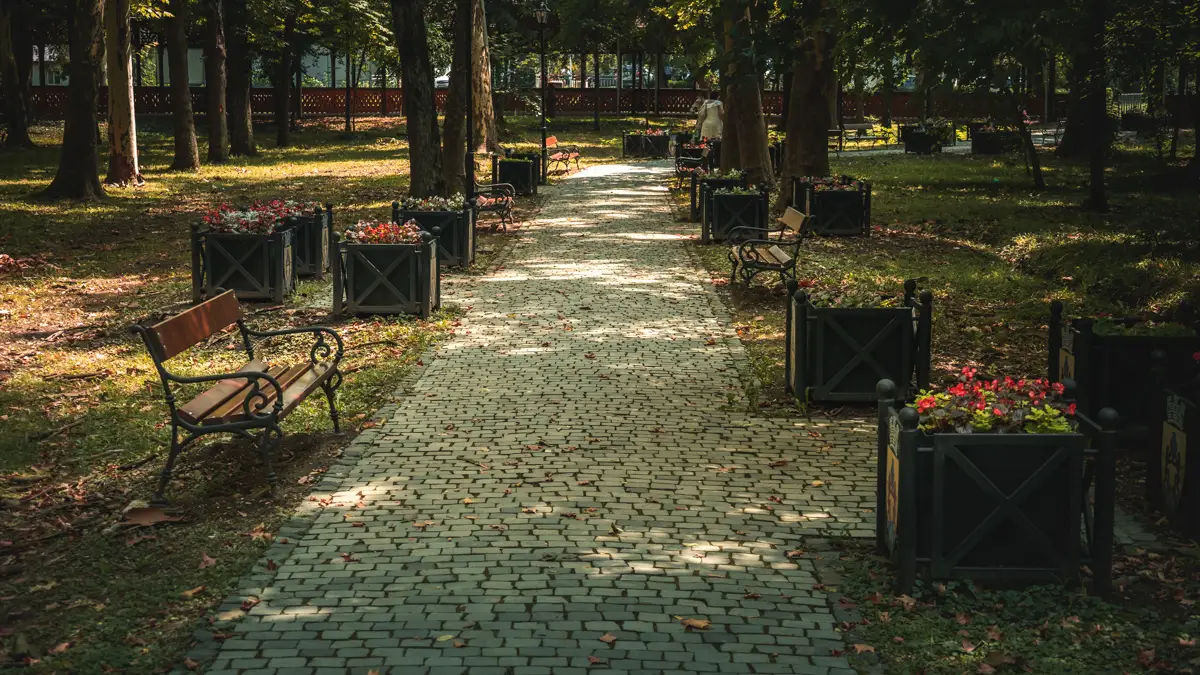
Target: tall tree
[
  {"x": 122, "y": 127},
  {"x": 1097, "y": 109},
  {"x": 187, "y": 154},
  {"x": 425, "y": 154},
  {"x": 239, "y": 68},
  {"x": 755, "y": 158},
  {"x": 484, "y": 112},
  {"x": 78, "y": 176},
  {"x": 12, "y": 84},
  {"x": 284, "y": 68},
  {"x": 454, "y": 132},
  {"x": 214, "y": 79}
]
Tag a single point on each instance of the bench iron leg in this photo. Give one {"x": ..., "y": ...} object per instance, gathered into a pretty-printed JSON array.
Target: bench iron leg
[
  {"x": 165, "y": 476},
  {"x": 330, "y": 386},
  {"x": 268, "y": 443}
]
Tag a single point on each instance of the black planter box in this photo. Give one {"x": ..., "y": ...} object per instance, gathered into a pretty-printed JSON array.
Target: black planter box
[
  {"x": 994, "y": 142},
  {"x": 993, "y": 506},
  {"x": 1172, "y": 476},
  {"x": 519, "y": 170},
  {"x": 922, "y": 142},
  {"x": 310, "y": 241},
  {"x": 656, "y": 146},
  {"x": 725, "y": 212},
  {"x": 1115, "y": 371},
  {"x": 836, "y": 212},
  {"x": 840, "y": 354},
  {"x": 701, "y": 187},
  {"x": 776, "y": 151},
  {"x": 255, "y": 266},
  {"x": 454, "y": 231},
  {"x": 387, "y": 279}
]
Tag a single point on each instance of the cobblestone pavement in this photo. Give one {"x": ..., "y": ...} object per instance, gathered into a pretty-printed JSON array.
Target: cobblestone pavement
[{"x": 571, "y": 477}]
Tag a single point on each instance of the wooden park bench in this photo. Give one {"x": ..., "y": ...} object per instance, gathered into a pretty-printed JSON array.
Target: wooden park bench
[
  {"x": 254, "y": 398},
  {"x": 560, "y": 154},
  {"x": 836, "y": 140},
  {"x": 755, "y": 256},
  {"x": 861, "y": 133},
  {"x": 496, "y": 198}
]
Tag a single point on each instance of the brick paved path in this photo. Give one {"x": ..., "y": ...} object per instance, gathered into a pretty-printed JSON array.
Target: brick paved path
[{"x": 576, "y": 462}]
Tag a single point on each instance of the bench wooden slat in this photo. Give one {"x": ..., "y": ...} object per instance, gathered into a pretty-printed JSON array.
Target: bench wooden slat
[
  {"x": 779, "y": 256},
  {"x": 793, "y": 220},
  {"x": 551, "y": 141},
  {"x": 304, "y": 385},
  {"x": 198, "y": 323},
  {"x": 198, "y": 408},
  {"x": 232, "y": 410}
]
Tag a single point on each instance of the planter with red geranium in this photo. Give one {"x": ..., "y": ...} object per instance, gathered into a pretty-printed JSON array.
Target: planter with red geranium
[
  {"x": 840, "y": 342},
  {"x": 652, "y": 143},
  {"x": 1109, "y": 361},
  {"x": 248, "y": 251},
  {"x": 386, "y": 268},
  {"x": 704, "y": 183},
  {"x": 996, "y": 480},
  {"x": 449, "y": 217},
  {"x": 840, "y": 205}
]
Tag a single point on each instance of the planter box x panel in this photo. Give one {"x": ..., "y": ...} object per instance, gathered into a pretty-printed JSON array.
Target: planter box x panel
[
  {"x": 837, "y": 212},
  {"x": 311, "y": 242},
  {"x": 391, "y": 278},
  {"x": 922, "y": 142},
  {"x": 728, "y": 212},
  {"x": 994, "y": 142},
  {"x": 646, "y": 145},
  {"x": 455, "y": 234},
  {"x": 255, "y": 266},
  {"x": 701, "y": 186},
  {"x": 519, "y": 170}
]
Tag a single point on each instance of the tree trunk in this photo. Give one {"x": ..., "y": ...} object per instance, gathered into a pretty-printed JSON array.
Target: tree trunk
[
  {"x": 122, "y": 127},
  {"x": 1177, "y": 115},
  {"x": 785, "y": 96},
  {"x": 283, "y": 84},
  {"x": 14, "y": 89},
  {"x": 454, "y": 133},
  {"x": 596, "y": 91},
  {"x": 239, "y": 68},
  {"x": 349, "y": 126},
  {"x": 1098, "y": 114},
  {"x": 731, "y": 153},
  {"x": 187, "y": 155},
  {"x": 78, "y": 177},
  {"x": 886, "y": 118},
  {"x": 420, "y": 111},
  {"x": 748, "y": 119},
  {"x": 214, "y": 85},
  {"x": 1074, "y": 141},
  {"x": 807, "y": 148},
  {"x": 1031, "y": 155},
  {"x": 483, "y": 114}
]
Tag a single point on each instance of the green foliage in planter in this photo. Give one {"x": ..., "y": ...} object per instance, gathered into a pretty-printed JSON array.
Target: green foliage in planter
[{"x": 996, "y": 406}]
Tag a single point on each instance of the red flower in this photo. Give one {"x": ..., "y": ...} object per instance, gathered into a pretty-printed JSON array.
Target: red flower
[
  {"x": 1196, "y": 357},
  {"x": 1071, "y": 410}
]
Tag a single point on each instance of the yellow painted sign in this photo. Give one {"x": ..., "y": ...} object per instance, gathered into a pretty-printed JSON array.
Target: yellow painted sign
[
  {"x": 1174, "y": 455},
  {"x": 893, "y": 481}
]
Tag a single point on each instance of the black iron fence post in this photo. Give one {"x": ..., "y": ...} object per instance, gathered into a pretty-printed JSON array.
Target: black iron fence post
[
  {"x": 335, "y": 268},
  {"x": 906, "y": 518},
  {"x": 887, "y": 395},
  {"x": 197, "y": 264},
  {"x": 1104, "y": 516}
]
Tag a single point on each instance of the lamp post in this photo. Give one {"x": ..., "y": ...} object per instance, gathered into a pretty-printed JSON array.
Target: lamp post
[{"x": 543, "y": 13}]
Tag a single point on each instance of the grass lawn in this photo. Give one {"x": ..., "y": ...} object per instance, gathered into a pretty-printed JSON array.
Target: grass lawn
[
  {"x": 994, "y": 253},
  {"x": 82, "y": 417}
]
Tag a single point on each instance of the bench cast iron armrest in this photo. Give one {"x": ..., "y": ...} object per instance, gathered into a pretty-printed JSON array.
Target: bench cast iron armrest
[
  {"x": 500, "y": 189},
  {"x": 320, "y": 350},
  {"x": 747, "y": 246},
  {"x": 253, "y": 376}
]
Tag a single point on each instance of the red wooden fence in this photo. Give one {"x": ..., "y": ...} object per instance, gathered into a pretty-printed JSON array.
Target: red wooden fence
[{"x": 50, "y": 102}]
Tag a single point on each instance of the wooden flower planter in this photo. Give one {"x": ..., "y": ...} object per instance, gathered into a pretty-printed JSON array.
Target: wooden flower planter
[
  {"x": 837, "y": 212},
  {"x": 922, "y": 142},
  {"x": 657, "y": 146},
  {"x": 1114, "y": 371},
  {"x": 387, "y": 278},
  {"x": 994, "y": 506},
  {"x": 519, "y": 170},
  {"x": 725, "y": 212},
  {"x": 454, "y": 231},
  {"x": 255, "y": 266},
  {"x": 994, "y": 142},
  {"x": 702, "y": 187},
  {"x": 1172, "y": 476},
  {"x": 840, "y": 354},
  {"x": 310, "y": 241}
]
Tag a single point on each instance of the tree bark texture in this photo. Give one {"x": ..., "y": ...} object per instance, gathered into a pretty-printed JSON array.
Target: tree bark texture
[
  {"x": 1016, "y": 110},
  {"x": 1097, "y": 109},
  {"x": 215, "y": 59},
  {"x": 454, "y": 133},
  {"x": 484, "y": 113},
  {"x": 187, "y": 155},
  {"x": 807, "y": 149},
  {"x": 420, "y": 112},
  {"x": 283, "y": 83},
  {"x": 239, "y": 71},
  {"x": 12, "y": 84},
  {"x": 77, "y": 176},
  {"x": 731, "y": 153},
  {"x": 122, "y": 127},
  {"x": 1074, "y": 141}
]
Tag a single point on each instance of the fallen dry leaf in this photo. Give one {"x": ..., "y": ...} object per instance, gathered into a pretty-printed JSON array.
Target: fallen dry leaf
[
  {"x": 967, "y": 646},
  {"x": 147, "y": 516},
  {"x": 698, "y": 624},
  {"x": 595, "y": 659},
  {"x": 206, "y": 560},
  {"x": 250, "y": 603},
  {"x": 863, "y": 649},
  {"x": 192, "y": 593},
  {"x": 778, "y": 463},
  {"x": 608, "y": 638},
  {"x": 190, "y": 664},
  {"x": 60, "y": 648},
  {"x": 445, "y": 638}
]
